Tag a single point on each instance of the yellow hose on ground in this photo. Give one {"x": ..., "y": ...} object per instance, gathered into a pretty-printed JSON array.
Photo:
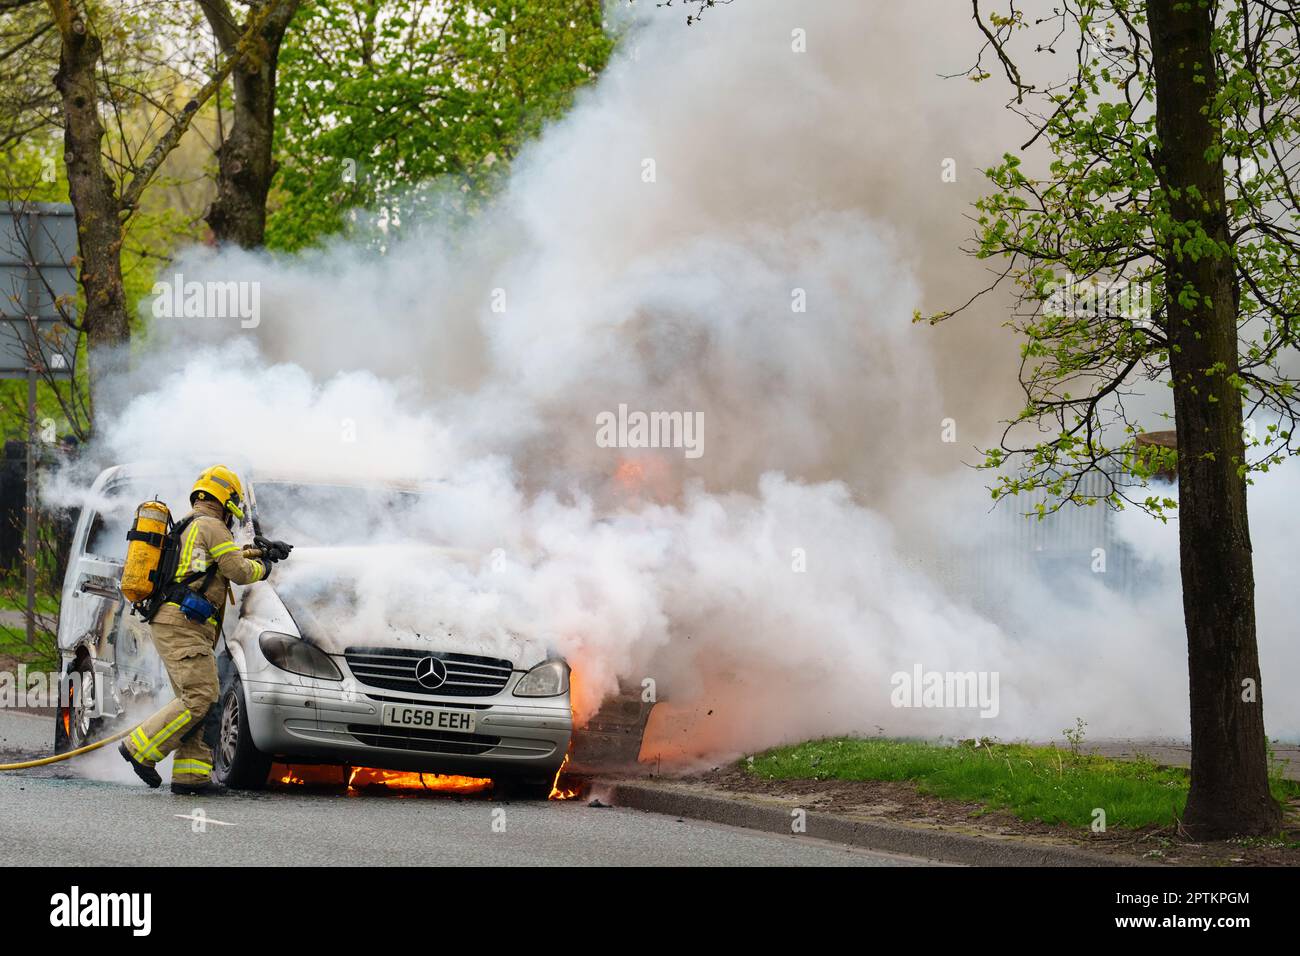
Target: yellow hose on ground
[{"x": 70, "y": 754}]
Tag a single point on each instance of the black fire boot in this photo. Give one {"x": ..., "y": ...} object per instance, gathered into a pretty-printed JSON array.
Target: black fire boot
[
  {"x": 148, "y": 774},
  {"x": 208, "y": 789}
]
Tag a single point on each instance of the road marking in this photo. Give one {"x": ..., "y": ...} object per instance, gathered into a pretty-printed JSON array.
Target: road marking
[{"x": 204, "y": 818}]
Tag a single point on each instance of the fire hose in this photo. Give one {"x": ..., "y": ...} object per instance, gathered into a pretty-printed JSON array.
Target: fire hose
[
  {"x": 67, "y": 756},
  {"x": 275, "y": 550}
]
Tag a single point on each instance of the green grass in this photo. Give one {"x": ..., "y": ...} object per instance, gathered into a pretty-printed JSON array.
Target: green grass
[
  {"x": 12, "y": 599},
  {"x": 13, "y": 634},
  {"x": 1034, "y": 783},
  {"x": 43, "y": 655}
]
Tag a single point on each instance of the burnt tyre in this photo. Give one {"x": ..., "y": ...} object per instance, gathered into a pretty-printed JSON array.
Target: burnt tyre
[
  {"x": 237, "y": 763},
  {"x": 73, "y": 725}
]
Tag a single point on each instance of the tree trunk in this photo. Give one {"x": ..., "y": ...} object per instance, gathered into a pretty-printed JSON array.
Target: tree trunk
[
  {"x": 94, "y": 199},
  {"x": 244, "y": 160},
  {"x": 1229, "y": 782}
]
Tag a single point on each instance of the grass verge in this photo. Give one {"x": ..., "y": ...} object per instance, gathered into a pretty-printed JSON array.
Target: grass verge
[
  {"x": 13, "y": 599},
  {"x": 1034, "y": 783},
  {"x": 14, "y": 649}
]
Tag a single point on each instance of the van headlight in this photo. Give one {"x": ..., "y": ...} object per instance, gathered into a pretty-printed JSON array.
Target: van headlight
[
  {"x": 296, "y": 656},
  {"x": 548, "y": 679}
]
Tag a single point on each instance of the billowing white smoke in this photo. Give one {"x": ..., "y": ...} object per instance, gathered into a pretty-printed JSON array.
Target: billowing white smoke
[{"x": 723, "y": 226}]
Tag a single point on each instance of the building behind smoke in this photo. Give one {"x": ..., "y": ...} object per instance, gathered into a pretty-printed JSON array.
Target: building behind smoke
[
  {"x": 1068, "y": 551},
  {"x": 1064, "y": 548}
]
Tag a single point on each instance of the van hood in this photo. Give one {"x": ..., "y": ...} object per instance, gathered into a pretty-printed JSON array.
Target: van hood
[{"x": 324, "y": 618}]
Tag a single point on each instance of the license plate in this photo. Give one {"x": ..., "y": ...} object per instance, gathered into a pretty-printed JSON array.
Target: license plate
[{"x": 429, "y": 718}]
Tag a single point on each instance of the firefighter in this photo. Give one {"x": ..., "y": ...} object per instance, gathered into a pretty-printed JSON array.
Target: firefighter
[{"x": 185, "y": 631}]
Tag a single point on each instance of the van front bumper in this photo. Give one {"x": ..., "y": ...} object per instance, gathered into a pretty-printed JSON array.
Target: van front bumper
[{"x": 308, "y": 722}]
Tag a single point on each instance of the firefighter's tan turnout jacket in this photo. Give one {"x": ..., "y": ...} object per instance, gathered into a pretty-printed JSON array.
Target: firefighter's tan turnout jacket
[{"x": 204, "y": 540}]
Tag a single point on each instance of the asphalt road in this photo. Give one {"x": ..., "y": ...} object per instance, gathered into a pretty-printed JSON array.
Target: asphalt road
[{"x": 95, "y": 814}]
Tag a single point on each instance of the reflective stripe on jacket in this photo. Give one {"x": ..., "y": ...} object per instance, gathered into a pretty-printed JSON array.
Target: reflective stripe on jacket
[{"x": 206, "y": 539}]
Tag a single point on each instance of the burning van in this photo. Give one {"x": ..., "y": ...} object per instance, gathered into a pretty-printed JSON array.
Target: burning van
[{"x": 305, "y": 679}]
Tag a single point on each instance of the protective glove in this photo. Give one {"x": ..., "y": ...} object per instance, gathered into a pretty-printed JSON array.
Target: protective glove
[{"x": 272, "y": 550}]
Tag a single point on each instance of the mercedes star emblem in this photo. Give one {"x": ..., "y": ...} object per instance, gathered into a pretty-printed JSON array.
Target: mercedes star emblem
[{"x": 430, "y": 672}]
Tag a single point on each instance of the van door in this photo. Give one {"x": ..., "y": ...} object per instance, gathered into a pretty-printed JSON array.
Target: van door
[{"x": 97, "y": 631}]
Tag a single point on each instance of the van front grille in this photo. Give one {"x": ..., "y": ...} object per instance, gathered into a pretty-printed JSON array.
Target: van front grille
[{"x": 399, "y": 668}]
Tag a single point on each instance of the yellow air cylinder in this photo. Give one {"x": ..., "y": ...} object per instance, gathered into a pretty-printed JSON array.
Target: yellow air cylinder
[{"x": 144, "y": 550}]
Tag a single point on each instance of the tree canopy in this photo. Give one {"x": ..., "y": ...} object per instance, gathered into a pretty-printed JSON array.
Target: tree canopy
[
  {"x": 379, "y": 98},
  {"x": 1086, "y": 239}
]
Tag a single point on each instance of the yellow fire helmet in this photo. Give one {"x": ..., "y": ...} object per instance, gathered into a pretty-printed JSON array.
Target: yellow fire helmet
[{"x": 224, "y": 486}]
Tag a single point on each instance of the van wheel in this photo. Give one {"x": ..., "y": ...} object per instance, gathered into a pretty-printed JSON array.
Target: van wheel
[
  {"x": 238, "y": 763},
  {"x": 72, "y": 727}
]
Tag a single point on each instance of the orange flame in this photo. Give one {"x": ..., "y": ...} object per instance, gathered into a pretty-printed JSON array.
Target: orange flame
[
  {"x": 311, "y": 775},
  {"x": 364, "y": 777},
  {"x": 566, "y": 792},
  {"x": 645, "y": 478},
  {"x": 562, "y": 793},
  {"x": 630, "y": 474},
  {"x": 398, "y": 780}
]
